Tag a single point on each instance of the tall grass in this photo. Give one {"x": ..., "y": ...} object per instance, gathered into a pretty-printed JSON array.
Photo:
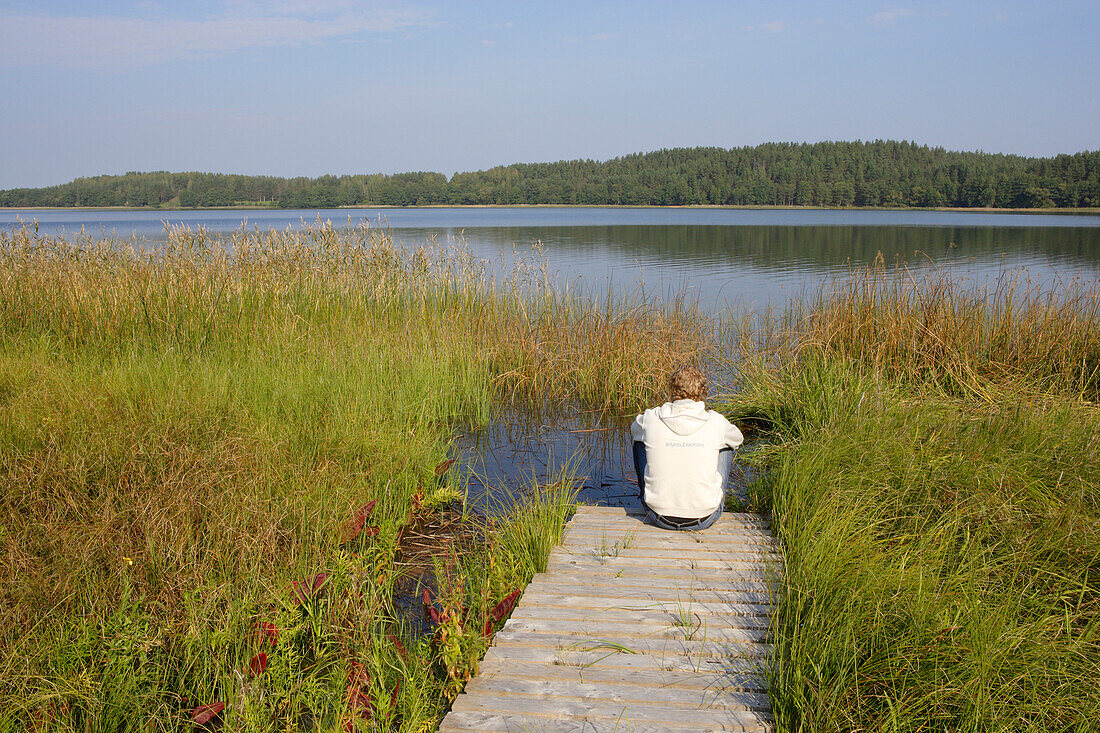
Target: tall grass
[
  {"x": 185, "y": 432},
  {"x": 971, "y": 342},
  {"x": 934, "y": 473}
]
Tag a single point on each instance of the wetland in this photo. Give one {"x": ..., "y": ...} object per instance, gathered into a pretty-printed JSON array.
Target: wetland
[{"x": 227, "y": 451}]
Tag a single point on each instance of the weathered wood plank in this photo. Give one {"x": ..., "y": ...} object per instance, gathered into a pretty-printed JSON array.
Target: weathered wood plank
[
  {"x": 666, "y": 695},
  {"x": 675, "y": 613},
  {"x": 636, "y": 510},
  {"x": 673, "y": 578},
  {"x": 638, "y": 535},
  {"x": 603, "y": 659},
  {"x": 659, "y": 547},
  {"x": 749, "y": 680},
  {"x": 536, "y": 712},
  {"x": 748, "y": 539},
  {"x": 755, "y": 596},
  {"x": 605, "y": 574},
  {"x": 698, "y": 648},
  {"x": 475, "y": 722},
  {"x": 632, "y": 524},
  {"x": 604, "y": 512},
  {"x": 657, "y": 556},
  {"x": 623, "y": 560},
  {"x": 663, "y": 588},
  {"x": 689, "y": 628},
  {"x": 580, "y": 608}
]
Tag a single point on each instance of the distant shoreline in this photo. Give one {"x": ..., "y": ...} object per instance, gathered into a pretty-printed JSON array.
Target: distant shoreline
[{"x": 962, "y": 209}]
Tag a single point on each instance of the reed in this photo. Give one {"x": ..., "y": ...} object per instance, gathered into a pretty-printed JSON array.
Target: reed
[
  {"x": 932, "y": 471},
  {"x": 965, "y": 341},
  {"x": 188, "y": 431}
]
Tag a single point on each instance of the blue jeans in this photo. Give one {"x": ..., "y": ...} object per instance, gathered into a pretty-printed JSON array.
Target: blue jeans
[{"x": 725, "y": 463}]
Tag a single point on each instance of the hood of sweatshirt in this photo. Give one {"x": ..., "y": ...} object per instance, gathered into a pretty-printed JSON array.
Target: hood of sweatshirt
[{"x": 683, "y": 417}]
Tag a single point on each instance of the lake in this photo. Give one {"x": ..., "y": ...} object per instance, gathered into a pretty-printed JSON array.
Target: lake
[{"x": 719, "y": 257}]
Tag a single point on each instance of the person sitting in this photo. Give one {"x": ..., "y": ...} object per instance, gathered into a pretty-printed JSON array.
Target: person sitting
[{"x": 683, "y": 453}]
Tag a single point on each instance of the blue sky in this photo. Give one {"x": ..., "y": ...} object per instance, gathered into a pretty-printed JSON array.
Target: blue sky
[{"x": 301, "y": 87}]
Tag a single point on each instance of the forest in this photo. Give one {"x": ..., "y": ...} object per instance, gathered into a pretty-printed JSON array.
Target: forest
[{"x": 828, "y": 174}]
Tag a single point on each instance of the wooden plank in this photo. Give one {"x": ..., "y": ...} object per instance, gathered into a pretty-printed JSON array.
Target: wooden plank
[
  {"x": 616, "y": 544},
  {"x": 662, "y": 547},
  {"x": 691, "y": 628},
  {"x": 747, "y": 538},
  {"x": 636, "y": 512},
  {"x": 668, "y": 563},
  {"x": 666, "y": 695},
  {"x": 606, "y": 574},
  {"x": 580, "y": 607},
  {"x": 669, "y": 552},
  {"x": 609, "y": 512},
  {"x": 532, "y": 713},
  {"x": 474, "y": 722},
  {"x": 655, "y": 554},
  {"x": 603, "y": 574},
  {"x": 576, "y": 660},
  {"x": 632, "y": 524},
  {"x": 686, "y": 612},
  {"x": 638, "y": 536},
  {"x": 628, "y": 524},
  {"x": 753, "y": 593},
  {"x": 673, "y": 587},
  {"x": 698, "y": 648},
  {"x": 596, "y": 551},
  {"x": 641, "y": 677}
]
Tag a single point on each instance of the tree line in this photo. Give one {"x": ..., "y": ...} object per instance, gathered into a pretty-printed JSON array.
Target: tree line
[{"x": 835, "y": 174}]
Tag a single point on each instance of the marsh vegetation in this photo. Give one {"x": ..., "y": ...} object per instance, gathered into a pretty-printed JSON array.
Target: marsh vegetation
[
  {"x": 224, "y": 471},
  {"x": 226, "y": 492},
  {"x": 934, "y": 473}
]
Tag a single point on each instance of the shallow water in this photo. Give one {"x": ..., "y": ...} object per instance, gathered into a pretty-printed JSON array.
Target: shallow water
[
  {"x": 519, "y": 451},
  {"x": 515, "y": 452}
]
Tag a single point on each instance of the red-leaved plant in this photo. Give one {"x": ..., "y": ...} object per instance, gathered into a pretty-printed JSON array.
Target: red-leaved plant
[
  {"x": 354, "y": 525},
  {"x": 258, "y": 664},
  {"x": 399, "y": 646},
  {"x": 203, "y": 714},
  {"x": 501, "y": 611},
  {"x": 301, "y": 591},
  {"x": 267, "y": 631},
  {"x": 430, "y": 611}
]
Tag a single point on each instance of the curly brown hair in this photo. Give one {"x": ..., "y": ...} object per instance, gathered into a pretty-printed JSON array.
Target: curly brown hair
[{"x": 687, "y": 383}]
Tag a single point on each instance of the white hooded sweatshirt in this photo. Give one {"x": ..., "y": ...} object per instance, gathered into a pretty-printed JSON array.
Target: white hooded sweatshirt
[{"x": 682, "y": 440}]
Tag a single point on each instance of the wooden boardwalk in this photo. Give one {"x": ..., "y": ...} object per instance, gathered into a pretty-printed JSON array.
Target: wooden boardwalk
[{"x": 633, "y": 628}]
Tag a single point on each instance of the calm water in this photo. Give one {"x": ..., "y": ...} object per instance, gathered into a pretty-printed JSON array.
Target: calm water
[{"x": 719, "y": 257}]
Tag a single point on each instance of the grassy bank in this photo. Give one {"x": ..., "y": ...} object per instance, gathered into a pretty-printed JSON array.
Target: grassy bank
[
  {"x": 934, "y": 471},
  {"x": 214, "y": 460}
]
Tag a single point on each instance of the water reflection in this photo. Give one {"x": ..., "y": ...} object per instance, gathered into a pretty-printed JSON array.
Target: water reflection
[
  {"x": 523, "y": 450},
  {"x": 760, "y": 265},
  {"x": 519, "y": 450}
]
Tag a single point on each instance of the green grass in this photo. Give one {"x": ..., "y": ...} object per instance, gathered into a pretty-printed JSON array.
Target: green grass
[
  {"x": 184, "y": 433},
  {"x": 934, "y": 472}
]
